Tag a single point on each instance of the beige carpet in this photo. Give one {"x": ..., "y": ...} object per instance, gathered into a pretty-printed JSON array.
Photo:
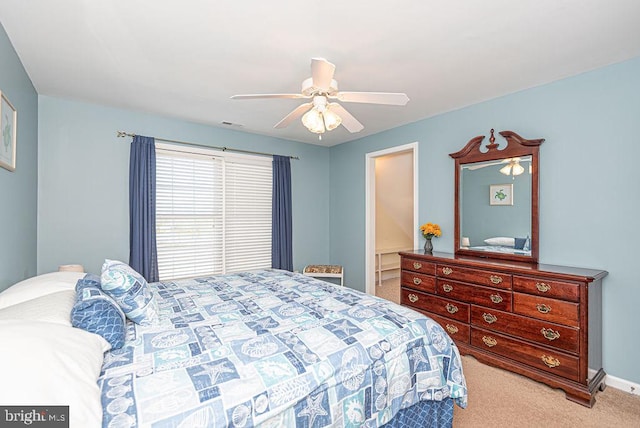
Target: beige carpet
[
  {"x": 389, "y": 289},
  {"x": 498, "y": 398}
]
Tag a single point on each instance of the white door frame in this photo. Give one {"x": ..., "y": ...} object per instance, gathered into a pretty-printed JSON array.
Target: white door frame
[{"x": 370, "y": 202}]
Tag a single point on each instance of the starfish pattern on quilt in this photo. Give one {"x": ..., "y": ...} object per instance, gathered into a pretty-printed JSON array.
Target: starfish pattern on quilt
[{"x": 313, "y": 408}]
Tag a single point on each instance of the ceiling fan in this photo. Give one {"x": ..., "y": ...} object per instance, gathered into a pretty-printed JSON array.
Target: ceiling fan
[
  {"x": 321, "y": 113},
  {"x": 512, "y": 166}
]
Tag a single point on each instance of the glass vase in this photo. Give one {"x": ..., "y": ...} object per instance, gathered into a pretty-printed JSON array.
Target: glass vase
[{"x": 428, "y": 245}]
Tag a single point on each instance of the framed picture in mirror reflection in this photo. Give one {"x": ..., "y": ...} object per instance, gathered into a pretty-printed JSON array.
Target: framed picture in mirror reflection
[{"x": 501, "y": 194}]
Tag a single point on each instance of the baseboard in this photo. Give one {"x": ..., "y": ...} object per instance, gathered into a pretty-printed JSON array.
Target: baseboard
[{"x": 622, "y": 385}]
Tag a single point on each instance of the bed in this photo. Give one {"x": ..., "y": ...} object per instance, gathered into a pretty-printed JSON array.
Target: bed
[
  {"x": 506, "y": 245},
  {"x": 500, "y": 249},
  {"x": 265, "y": 348}
]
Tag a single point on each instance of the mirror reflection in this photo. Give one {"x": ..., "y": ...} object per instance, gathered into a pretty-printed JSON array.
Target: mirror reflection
[{"x": 495, "y": 205}]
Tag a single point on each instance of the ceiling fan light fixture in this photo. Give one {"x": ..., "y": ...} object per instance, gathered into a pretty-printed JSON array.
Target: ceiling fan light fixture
[
  {"x": 331, "y": 120},
  {"x": 313, "y": 121},
  {"x": 517, "y": 169},
  {"x": 512, "y": 168}
]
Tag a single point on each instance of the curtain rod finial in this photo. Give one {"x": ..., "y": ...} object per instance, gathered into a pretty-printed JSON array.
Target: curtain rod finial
[{"x": 125, "y": 134}]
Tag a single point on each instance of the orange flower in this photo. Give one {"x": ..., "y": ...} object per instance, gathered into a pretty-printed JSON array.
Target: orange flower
[{"x": 429, "y": 230}]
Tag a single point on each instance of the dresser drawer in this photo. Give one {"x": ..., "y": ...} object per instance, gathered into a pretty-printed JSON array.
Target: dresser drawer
[
  {"x": 542, "y": 332},
  {"x": 553, "y": 310},
  {"x": 457, "y": 330},
  {"x": 417, "y": 265},
  {"x": 551, "y": 361},
  {"x": 477, "y": 276},
  {"x": 418, "y": 281},
  {"x": 438, "y": 305},
  {"x": 489, "y": 297},
  {"x": 543, "y": 287}
]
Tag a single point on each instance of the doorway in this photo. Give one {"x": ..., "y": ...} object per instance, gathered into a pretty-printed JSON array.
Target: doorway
[{"x": 391, "y": 216}]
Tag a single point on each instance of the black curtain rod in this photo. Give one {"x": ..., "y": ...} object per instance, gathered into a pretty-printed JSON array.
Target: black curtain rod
[{"x": 224, "y": 149}]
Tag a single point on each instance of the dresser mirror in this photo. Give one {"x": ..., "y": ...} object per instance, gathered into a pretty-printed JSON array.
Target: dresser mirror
[{"x": 496, "y": 198}]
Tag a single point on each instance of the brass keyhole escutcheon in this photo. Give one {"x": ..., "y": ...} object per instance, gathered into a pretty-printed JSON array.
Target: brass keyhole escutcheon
[
  {"x": 550, "y": 361},
  {"x": 413, "y": 298},
  {"x": 550, "y": 334},
  {"x": 447, "y": 271},
  {"x": 452, "y": 309},
  {"x": 447, "y": 288},
  {"x": 496, "y": 298},
  {"x": 543, "y": 309},
  {"x": 417, "y": 265},
  {"x": 489, "y": 318},
  {"x": 417, "y": 281},
  {"x": 542, "y": 287},
  {"x": 489, "y": 341},
  {"x": 495, "y": 279}
]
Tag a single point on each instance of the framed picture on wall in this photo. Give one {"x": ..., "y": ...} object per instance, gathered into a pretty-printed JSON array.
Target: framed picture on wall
[
  {"x": 8, "y": 127},
  {"x": 501, "y": 194}
]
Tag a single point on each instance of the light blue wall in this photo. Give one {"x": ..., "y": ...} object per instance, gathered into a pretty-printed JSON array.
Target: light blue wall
[
  {"x": 589, "y": 186},
  {"x": 83, "y": 182},
  {"x": 18, "y": 189}
]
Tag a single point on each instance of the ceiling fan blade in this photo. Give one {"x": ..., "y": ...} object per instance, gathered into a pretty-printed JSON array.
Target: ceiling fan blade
[
  {"x": 483, "y": 165},
  {"x": 391, "y": 98},
  {"x": 322, "y": 73},
  {"x": 296, "y": 113},
  {"x": 348, "y": 121},
  {"x": 252, "y": 96}
]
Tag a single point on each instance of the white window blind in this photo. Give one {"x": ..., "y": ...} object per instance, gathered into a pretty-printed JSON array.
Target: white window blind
[{"x": 213, "y": 212}]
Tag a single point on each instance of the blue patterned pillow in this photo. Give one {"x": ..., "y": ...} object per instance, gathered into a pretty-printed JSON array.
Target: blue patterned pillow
[
  {"x": 89, "y": 280},
  {"x": 94, "y": 311},
  {"x": 130, "y": 290}
]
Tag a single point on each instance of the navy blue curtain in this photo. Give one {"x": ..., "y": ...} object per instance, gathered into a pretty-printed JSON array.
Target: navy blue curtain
[
  {"x": 281, "y": 235},
  {"x": 143, "y": 256}
]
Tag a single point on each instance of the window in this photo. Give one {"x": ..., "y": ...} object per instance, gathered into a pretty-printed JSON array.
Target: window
[{"x": 213, "y": 212}]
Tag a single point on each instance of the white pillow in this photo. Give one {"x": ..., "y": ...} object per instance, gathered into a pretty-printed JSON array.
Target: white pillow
[
  {"x": 54, "y": 307},
  {"x": 51, "y": 364},
  {"x": 501, "y": 241},
  {"x": 38, "y": 286}
]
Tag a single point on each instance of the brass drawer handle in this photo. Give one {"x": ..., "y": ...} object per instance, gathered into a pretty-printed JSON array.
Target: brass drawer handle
[
  {"x": 543, "y": 309},
  {"x": 489, "y": 318},
  {"x": 447, "y": 288},
  {"x": 496, "y": 298},
  {"x": 452, "y": 309},
  {"x": 489, "y": 341},
  {"x": 417, "y": 281},
  {"x": 417, "y": 265},
  {"x": 447, "y": 270},
  {"x": 495, "y": 279},
  {"x": 542, "y": 287},
  {"x": 413, "y": 298},
  {"x": 550, "y": 334},
  {"x": 451, "y": 328},
  {"x": 550, "y": 361}
]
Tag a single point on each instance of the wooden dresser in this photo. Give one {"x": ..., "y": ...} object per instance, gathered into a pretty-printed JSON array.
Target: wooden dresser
[{"x": 541, "y": 321}]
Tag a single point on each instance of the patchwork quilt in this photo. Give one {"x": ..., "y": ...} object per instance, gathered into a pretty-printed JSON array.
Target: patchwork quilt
[{"x": 274, "y": 348}]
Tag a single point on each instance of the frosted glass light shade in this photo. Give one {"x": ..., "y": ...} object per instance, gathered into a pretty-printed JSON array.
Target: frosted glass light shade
[
  {"x": 313, "y": 121},
  {"x": 518, "y": 169},
  {"x": 331, "y": 120},
  {"x": 506, "y": 170}
]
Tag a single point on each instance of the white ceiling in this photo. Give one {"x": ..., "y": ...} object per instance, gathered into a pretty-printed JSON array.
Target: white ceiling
[{"x": 184, "y": 59}]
